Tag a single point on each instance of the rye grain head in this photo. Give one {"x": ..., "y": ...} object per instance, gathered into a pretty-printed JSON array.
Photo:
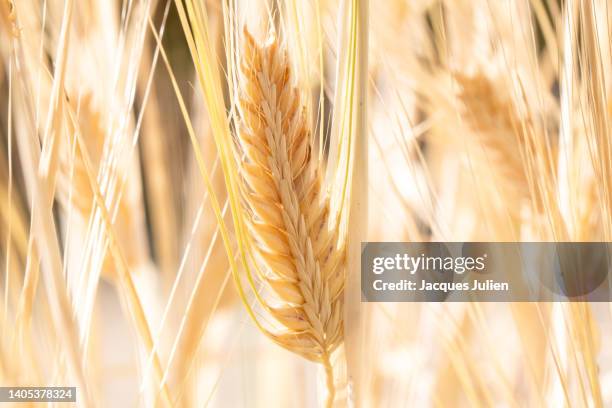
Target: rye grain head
[
  {"x": 285, "y": 208},
  {"x": 75, "y": 189},
  {"x": 497, "y": 127},
  {"x": 514, "y": 148}
]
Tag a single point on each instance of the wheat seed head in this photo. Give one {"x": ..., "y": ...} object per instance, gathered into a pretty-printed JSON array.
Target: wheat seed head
[
  {"x": 493, "y": 118},
  {"x": 284, "y": 206},
  {"x": 75, "y": 184}
]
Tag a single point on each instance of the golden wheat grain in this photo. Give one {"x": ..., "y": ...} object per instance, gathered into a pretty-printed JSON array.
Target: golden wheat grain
[{"x": 286, "y": 212}]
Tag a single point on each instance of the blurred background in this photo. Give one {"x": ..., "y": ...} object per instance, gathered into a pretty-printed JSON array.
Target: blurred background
[{"x": 487, "y": 120}]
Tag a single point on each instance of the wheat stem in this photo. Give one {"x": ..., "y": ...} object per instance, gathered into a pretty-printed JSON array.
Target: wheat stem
[{"x": 329, "y": 380}]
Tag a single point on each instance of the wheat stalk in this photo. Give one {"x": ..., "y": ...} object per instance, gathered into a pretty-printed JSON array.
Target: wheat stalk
[{"x": 285, "y": 208}]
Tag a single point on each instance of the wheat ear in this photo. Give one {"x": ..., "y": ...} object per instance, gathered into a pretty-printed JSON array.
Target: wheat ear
[
  {"x": 74, "y": 185},
  {"x": 497, "y": 126},
  {"x": 520, "y": 153},
  {"x": 285, "y": 209}
]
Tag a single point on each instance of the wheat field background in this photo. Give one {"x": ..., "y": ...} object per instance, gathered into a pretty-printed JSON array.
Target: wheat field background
[{"x": 185, "y": 185}]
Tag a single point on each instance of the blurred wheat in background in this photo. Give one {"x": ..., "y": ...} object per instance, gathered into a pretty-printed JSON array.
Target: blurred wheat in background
[{"x": 185, "y": 184}]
